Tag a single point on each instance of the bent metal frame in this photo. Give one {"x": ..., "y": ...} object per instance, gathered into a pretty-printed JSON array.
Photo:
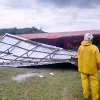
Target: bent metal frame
[{"x": 16, "y": 51}]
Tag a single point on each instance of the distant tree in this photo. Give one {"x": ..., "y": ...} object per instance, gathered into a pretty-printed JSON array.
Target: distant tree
[
  {"x": 41, "y": 29},
  {"x": 15, "y": 30}
]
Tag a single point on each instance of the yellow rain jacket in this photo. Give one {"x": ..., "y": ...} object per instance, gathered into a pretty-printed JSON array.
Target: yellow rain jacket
[{"x": 88, "y": 58}]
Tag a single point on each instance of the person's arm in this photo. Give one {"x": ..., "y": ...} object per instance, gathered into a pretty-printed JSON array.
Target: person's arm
[
  {"x": 98, "y": 58},
  {"x": 78, "y": 52}
]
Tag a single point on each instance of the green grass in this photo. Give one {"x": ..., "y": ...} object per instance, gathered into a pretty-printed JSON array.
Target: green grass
[{"x": 64, "y": 85}]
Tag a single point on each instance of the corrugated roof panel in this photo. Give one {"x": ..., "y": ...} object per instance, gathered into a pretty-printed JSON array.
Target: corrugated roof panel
[{"x": 16, "y": 52}]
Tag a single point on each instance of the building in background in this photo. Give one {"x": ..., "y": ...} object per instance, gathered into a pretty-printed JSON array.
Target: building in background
[{"x": 66, "y": 40}]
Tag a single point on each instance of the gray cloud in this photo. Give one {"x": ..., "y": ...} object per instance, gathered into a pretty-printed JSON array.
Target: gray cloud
[
  {"x": 58, "y": 3},
  {"x": 74, "y": 3},
  {"x": 52, "y": 15}
]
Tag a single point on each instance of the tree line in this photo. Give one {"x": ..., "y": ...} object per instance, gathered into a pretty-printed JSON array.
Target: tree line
[{"x": 16, "y": 31}]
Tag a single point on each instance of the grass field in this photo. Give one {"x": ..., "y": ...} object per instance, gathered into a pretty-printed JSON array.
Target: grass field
[{"x": 64, "y": 85}]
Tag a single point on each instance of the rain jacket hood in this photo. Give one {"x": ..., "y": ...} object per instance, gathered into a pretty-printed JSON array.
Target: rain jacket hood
[
  {"x": 88, "y": 58},
  {"x": 86, "y": 43}
]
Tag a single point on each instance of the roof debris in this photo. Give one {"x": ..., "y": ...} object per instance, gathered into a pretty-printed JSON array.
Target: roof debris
[
  {"x": 51, "y": 73},
  {"x": 16, "y": 52}
]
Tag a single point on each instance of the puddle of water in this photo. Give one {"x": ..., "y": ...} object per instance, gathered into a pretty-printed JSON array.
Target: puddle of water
[{"x": 21, "y": 77}]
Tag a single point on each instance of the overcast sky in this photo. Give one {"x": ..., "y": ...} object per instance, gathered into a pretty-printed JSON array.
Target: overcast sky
[{"x": 51, "y": 15}]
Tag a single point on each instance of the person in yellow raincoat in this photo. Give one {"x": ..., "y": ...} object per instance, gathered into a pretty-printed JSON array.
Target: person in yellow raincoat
[{"x": 88, "y": 64}]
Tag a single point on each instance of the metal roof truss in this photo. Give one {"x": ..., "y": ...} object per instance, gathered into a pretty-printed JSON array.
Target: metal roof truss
[{"x": 16, "y": 51}]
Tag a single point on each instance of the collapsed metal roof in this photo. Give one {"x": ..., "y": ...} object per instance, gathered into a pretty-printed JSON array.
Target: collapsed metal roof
[{"x": 16, "y": 52}]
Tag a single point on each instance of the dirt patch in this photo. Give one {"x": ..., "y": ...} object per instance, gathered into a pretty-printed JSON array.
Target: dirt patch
[{"x": 65, "y": 94}]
